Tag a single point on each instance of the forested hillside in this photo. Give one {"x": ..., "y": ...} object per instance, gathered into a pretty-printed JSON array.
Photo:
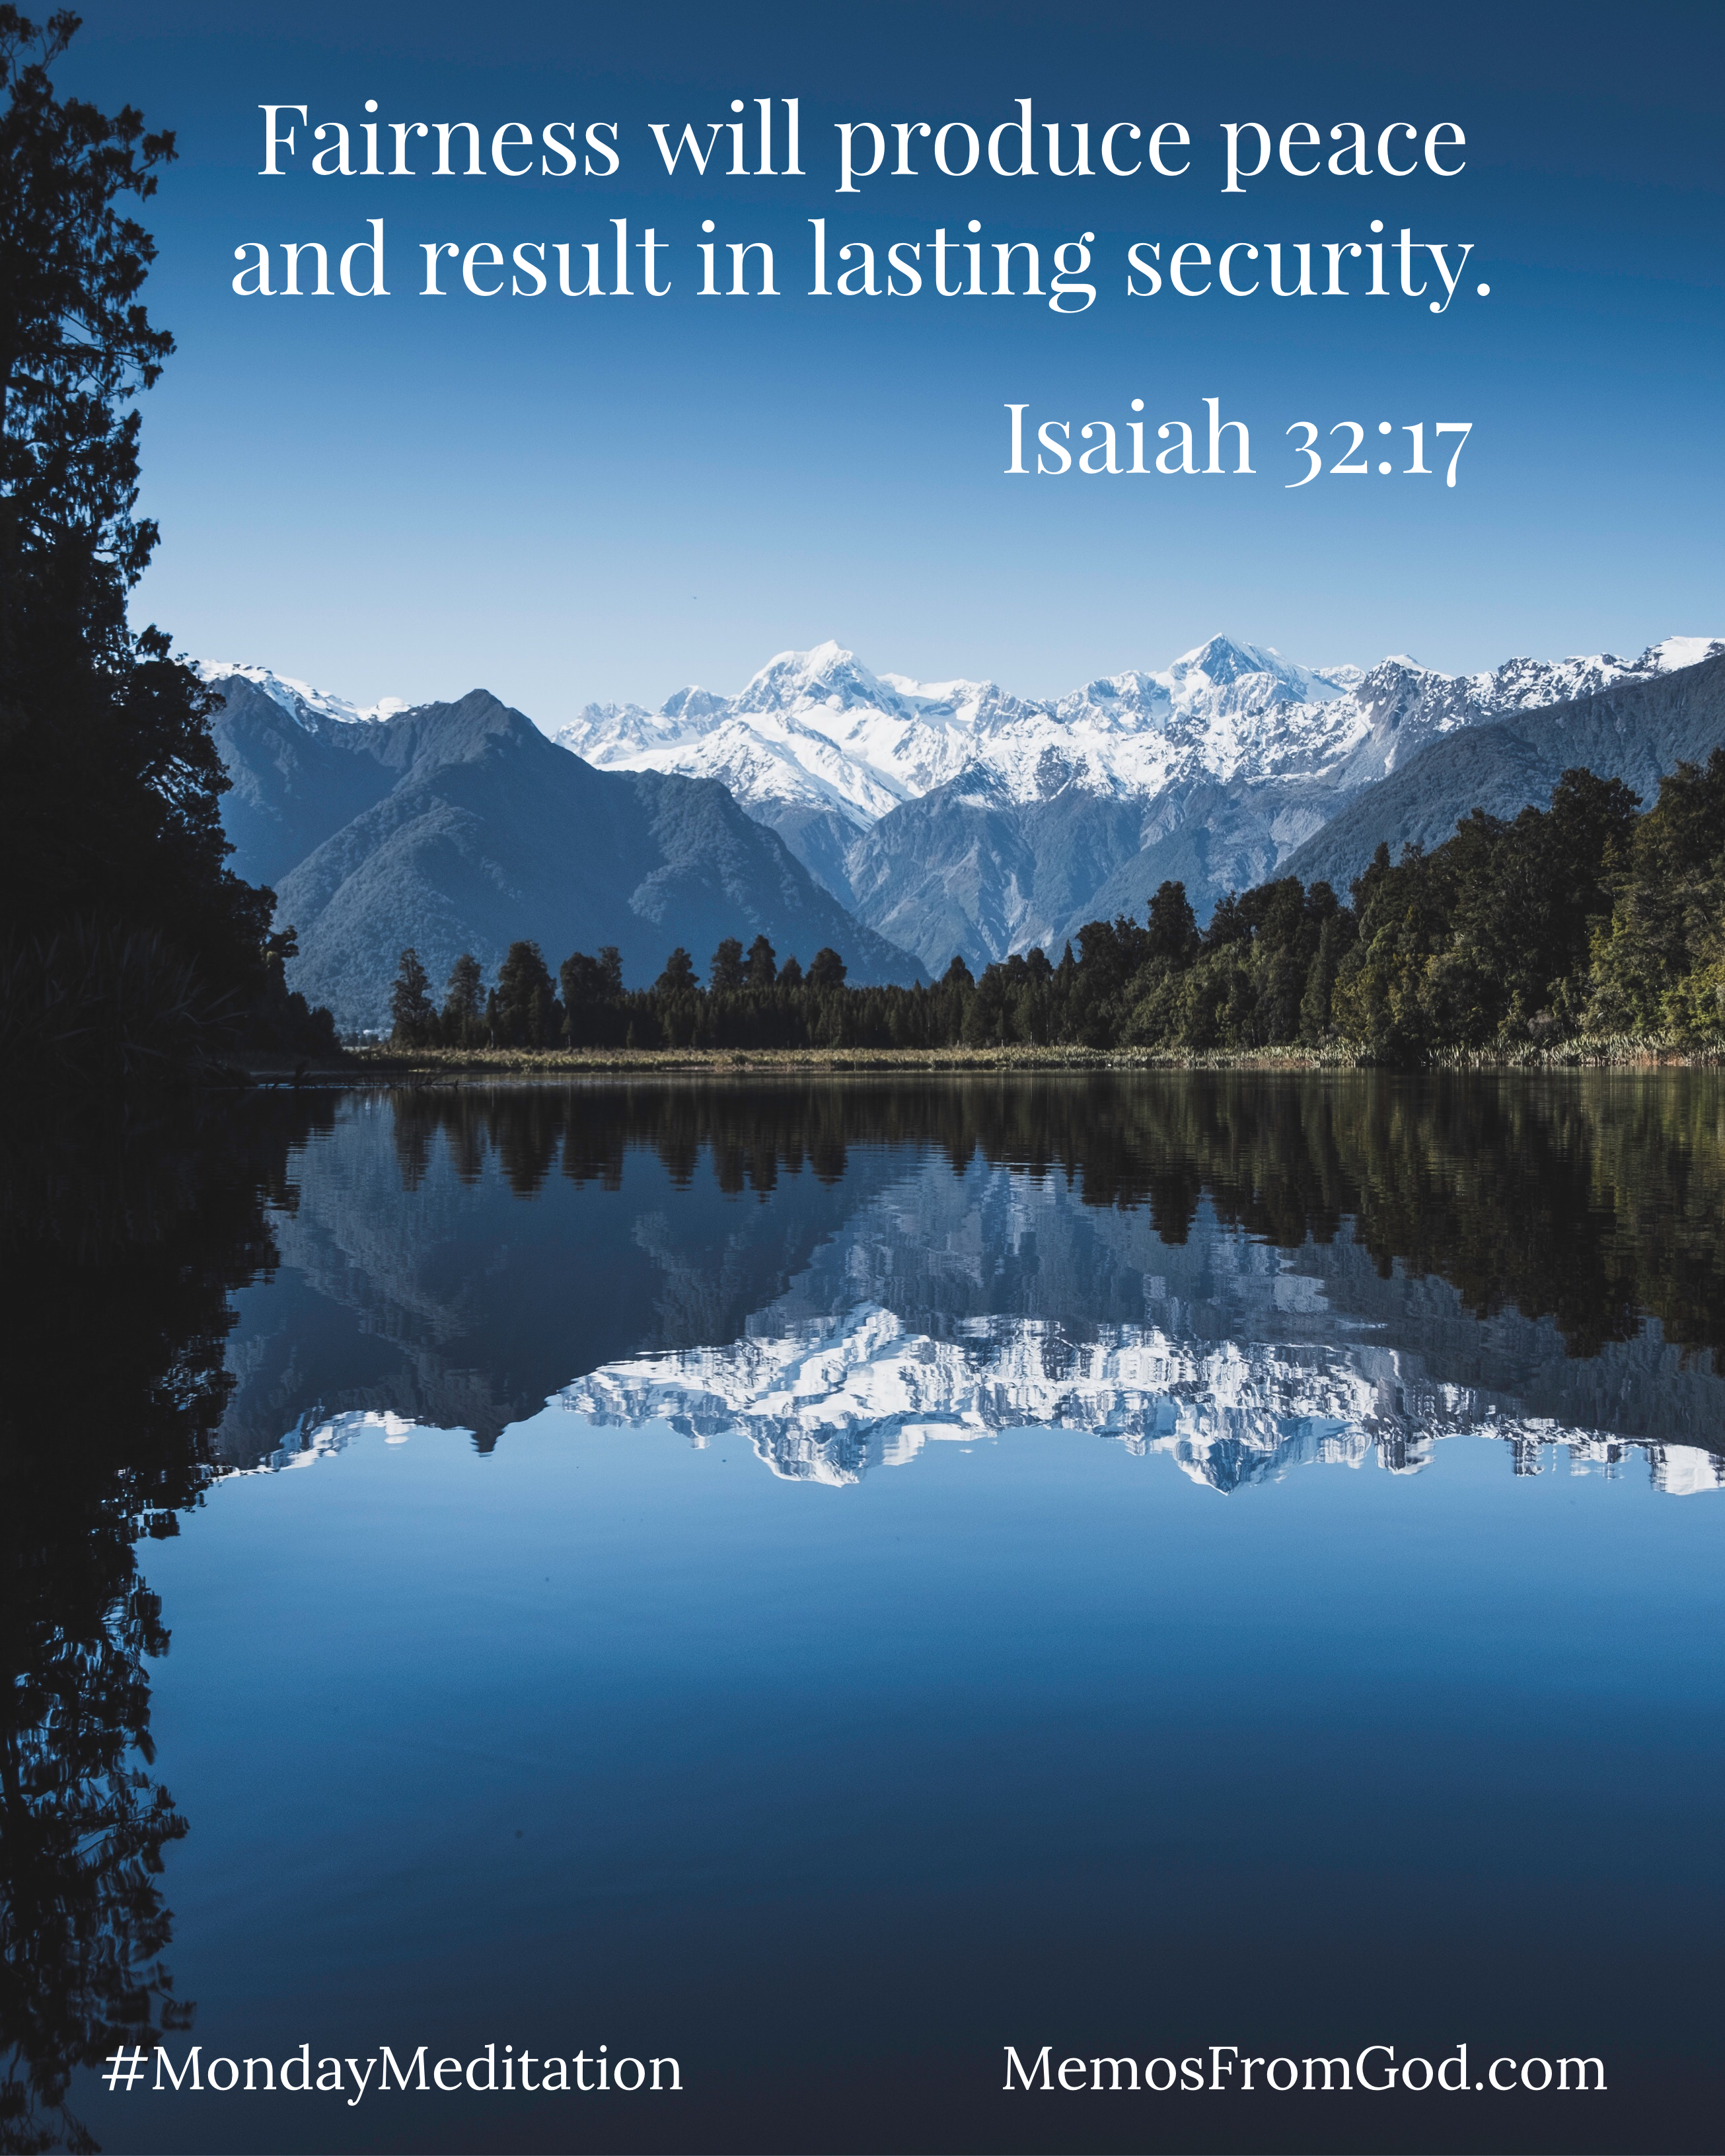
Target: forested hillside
[
  {"x": 458, "y": 827},
  {"x": 1589, "y": 917},
  {"x": 1635, "y": 730}
]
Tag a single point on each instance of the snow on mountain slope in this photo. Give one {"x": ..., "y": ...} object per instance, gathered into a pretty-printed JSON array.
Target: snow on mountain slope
[
  {"x": 833, "y": 1398},
  {"x": 311, "y": 708},
  {"x": 815, "y": 728},
  {"x": 875, "y": 1351},
  {"x": 954, "y": 816},
  {"x": 819, "y": 731}
]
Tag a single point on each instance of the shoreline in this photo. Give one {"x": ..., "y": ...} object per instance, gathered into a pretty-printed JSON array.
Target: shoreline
[{"x": 391, "y": 1066}]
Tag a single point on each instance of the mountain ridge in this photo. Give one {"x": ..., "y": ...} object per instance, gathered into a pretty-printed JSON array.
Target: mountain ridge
[
  {"x": 946, "y": 813},
  {"x": 1636, "y": 731},
  {"x": 463, "y": 827},
  {"x": 935, "y": 818}
]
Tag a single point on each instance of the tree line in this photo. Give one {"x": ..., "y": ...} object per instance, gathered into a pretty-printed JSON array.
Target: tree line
[
  {"x": 1586, "y": 917},
  {"x": 1590, "y": 1203}
]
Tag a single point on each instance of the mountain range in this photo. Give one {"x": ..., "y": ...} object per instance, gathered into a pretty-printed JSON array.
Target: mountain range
[
  {"x": 1635, "y": 729},
  {"x": 896, "y": 1304},
  {"x": 953, "y": 815},
  {"x": 461, "y": 827},
  {"x": 899, "y": 821}
]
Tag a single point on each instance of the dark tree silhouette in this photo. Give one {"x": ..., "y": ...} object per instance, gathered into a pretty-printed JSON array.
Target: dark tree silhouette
[
  {"x": 110, "y": 781},
  {"x": 1173, "y": 926},
  {"x": 464, "y": 1001},
  {"x": 725, "y": 976},
  {"x": 593, "y": 993},
  {"x": 762, "y": 970},
  {"x": 413, "y": 1019},
  {"x": 117, "y": 1258},
  {"x": 1511, "y": 937},
  {"x": 528, "y": 1013}
]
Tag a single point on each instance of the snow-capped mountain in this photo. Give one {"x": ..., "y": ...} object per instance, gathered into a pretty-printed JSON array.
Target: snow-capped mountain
[
  {"x": 309, "y": 707},
  {"x": 461, "y": 827},
  {"x": 818, "y": 730},
  {"x": 909, "y": 1299},
  {"x": 1240, "y": 1363},
  {"x": 879, "y": 1397},
  {"x": 833, "y": 1398},
  {"x": 954, "y": 815}
]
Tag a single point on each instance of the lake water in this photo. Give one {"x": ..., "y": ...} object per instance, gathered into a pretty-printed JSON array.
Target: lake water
[{"x": 824, "y": 1582}]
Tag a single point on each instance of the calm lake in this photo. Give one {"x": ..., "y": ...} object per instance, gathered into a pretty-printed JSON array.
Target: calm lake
[{"x": 825, "y": 1581}]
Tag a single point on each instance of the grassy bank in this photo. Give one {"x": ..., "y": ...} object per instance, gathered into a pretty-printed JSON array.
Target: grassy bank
[{"x": 389, "y": 1066}]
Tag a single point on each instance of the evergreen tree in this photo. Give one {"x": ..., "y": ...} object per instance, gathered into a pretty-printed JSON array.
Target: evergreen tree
[
  {"x": 593, "y": 999},
  {"x": 725, "y": 975},
  {"x": 1335, "y": 938},
  {"x": 1509, "y": 933},
  {"x": 580, "y": 980},
  {"x": 761, "y": 970},
  {"x": 412, "y": 1020},
  {"x": 110, "y": 782},
  {"x": 952, "y": 999},
  {"x": 528, "y": 1013},
  {"x": 1173, "y": 926},
  {"x": 1658, "y": 961},
  {"x": 464, "y": 1001}
]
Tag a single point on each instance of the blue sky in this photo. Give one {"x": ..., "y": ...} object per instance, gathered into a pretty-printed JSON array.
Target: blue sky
[{"x": 566, "y": 499}]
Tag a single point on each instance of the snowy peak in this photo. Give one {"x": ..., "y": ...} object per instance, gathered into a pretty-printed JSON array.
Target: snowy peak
[
  {"x": 1238, "y": 1363},
  {"x": 827, "y": 676},
  {"x": 1680, "y": 651},
  {"x": 692, "y": 705},
  {"x": 616, "y": 734},
  {"x": 1258, "y": 674},
  {"x": 1520, "y": 685},
  {"x": 1404, "y": 705},
  {"x": 309, "y": 707},
  {"x": 820, "y": 746}
]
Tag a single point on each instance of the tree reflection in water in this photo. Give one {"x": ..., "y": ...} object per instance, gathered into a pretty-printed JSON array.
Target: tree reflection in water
[
  {"x": 1593, "y": 1201},
  {"x": 119, "y": 1244}
]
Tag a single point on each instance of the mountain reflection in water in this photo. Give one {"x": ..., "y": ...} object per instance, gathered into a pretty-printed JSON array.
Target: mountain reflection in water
[{"x": 1247, "y": 1274}]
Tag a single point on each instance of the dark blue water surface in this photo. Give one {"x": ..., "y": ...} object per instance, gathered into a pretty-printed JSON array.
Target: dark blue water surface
[{"x": 826, "y": 1581}]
